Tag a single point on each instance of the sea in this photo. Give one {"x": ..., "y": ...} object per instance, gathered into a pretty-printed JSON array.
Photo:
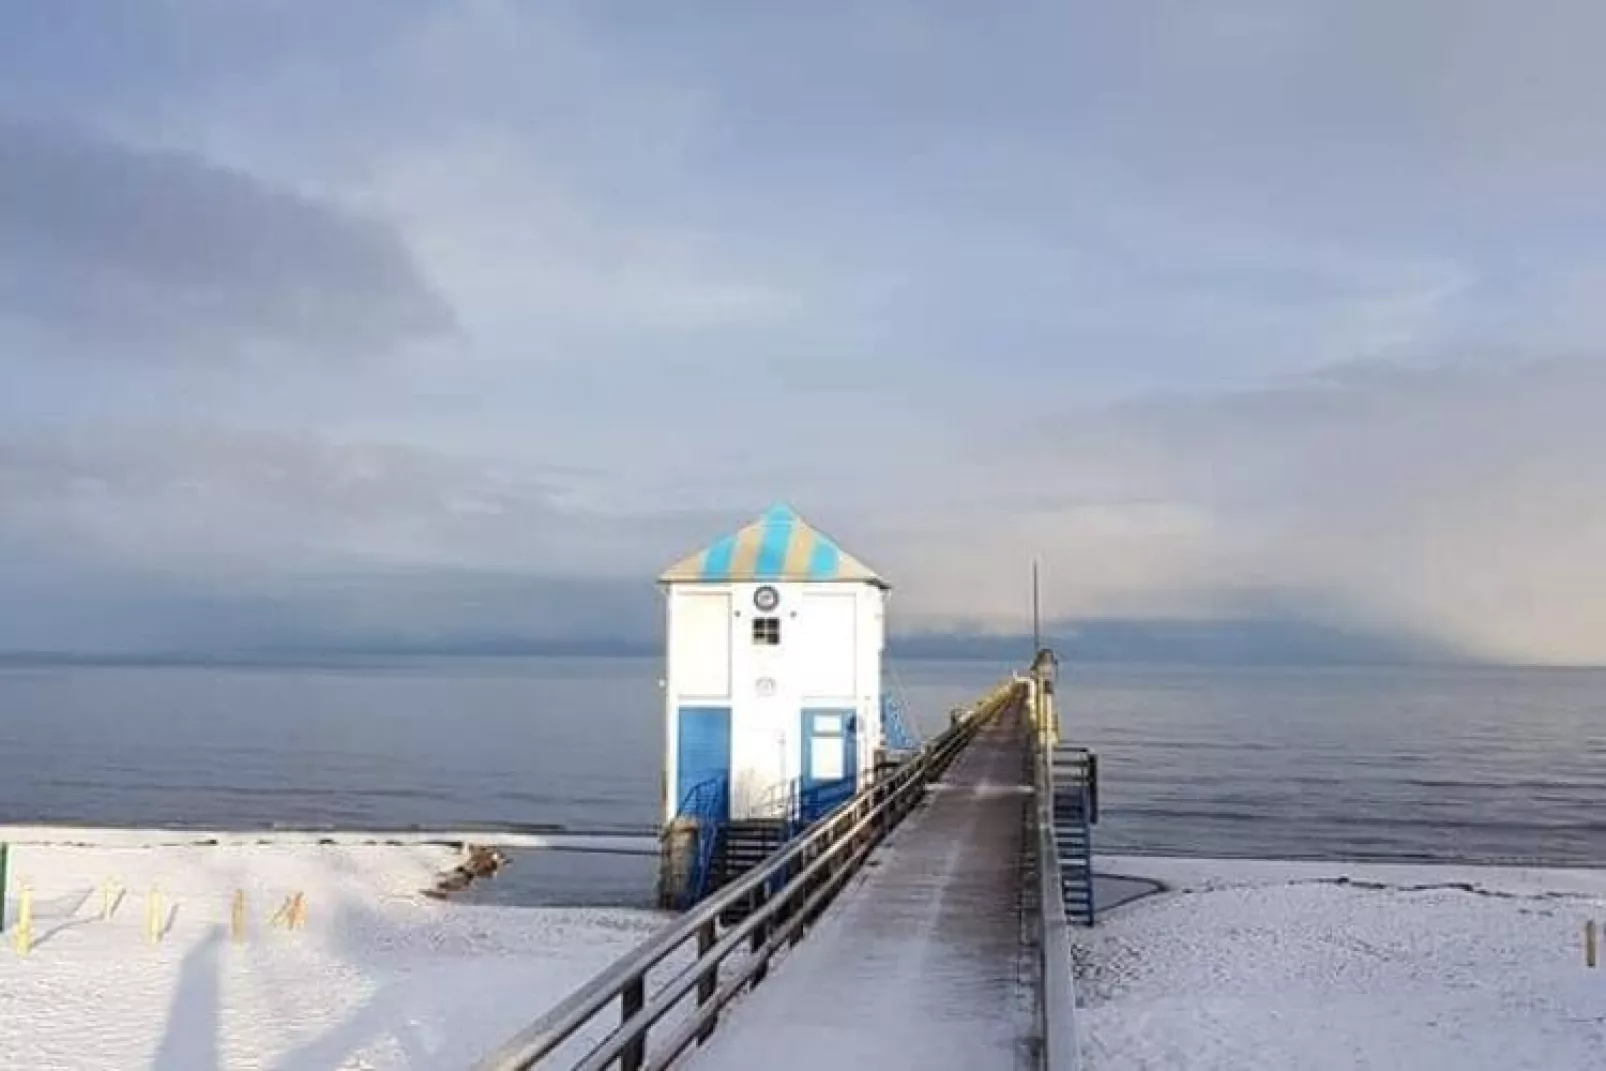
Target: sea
[{"x": 1378, "y": 763}]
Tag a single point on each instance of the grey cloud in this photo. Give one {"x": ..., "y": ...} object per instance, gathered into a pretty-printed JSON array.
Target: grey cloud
[
  {"x": 206, "y": 498},
  {"x": 60, "y": 606},
  {"x": 112, "y": 251},
  {"x": 658, "y": 231},
  {"x": 211, "y": 501},
  {"x": 1460, "y": 504},
  {"x": 208, "y": 539},
  {"x": 1390, "y": 118}
]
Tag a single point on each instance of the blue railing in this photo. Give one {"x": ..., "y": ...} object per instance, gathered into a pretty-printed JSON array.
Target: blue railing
[
  {"x": 1084, "y": 861},
  {"x": 708, "y": 804},
  {"x": 792, "y": 805},
  {"x": 894, "y": 729},
  {"x": 1074, "y": 784},
  {"x": 797, "y": 807},
  {"x": 816, "y": 801}
]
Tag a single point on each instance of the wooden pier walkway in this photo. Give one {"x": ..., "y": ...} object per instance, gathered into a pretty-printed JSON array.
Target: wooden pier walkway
[{"x": 922, "y": 961}]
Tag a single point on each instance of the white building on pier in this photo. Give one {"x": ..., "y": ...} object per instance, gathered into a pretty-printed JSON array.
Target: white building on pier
[{"x": 773, "y": 689}]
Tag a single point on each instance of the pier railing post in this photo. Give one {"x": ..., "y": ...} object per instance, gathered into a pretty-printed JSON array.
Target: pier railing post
[
  {"x": 708, "y": 983},
  {"x": 631, "y": 1000},
  {"x": 761, "y": 936}
]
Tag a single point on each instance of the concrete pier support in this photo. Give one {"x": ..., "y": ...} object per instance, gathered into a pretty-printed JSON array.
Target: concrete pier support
[{"x": 677, "y": 864}]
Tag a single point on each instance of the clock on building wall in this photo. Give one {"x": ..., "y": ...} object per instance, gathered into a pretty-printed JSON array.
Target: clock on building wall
[{"x": 766, "y": 599}]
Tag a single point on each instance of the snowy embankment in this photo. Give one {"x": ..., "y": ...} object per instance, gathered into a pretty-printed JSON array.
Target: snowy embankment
[
  {"x": 1245, "y": 965},
  {"x": 377, "y": 977}
]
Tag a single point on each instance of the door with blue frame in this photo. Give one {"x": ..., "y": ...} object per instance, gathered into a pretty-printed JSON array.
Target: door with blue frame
[
  {"x": 703, "y": 762},
  {"x": 830, "y": 759}
]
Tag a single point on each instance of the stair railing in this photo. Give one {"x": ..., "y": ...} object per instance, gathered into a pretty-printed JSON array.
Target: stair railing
[
  {"x": 708, "y": 804},
  {"x": 796, "y": 807},
  {"x": 895, "y": 730},
  {"x": 777, "y": 801},
  {"x": 1076, "y": 810},
  {"x": 824, "y": 856},
  {"x": 1085, "y": 816}
]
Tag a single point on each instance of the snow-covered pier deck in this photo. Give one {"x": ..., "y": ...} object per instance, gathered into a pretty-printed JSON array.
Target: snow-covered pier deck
[{"x": 920, "y": 962}]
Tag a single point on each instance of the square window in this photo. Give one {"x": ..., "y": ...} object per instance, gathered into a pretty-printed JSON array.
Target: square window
[{"x": 767, "y": 631}]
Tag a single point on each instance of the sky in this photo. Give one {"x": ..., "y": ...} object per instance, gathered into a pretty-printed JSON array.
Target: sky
[{"x": 429, "y": 322}]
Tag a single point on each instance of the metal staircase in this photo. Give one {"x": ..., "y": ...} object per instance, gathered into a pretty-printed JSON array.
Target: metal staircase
[
  {"x": 745, "y": 844},
  {"x": 726, "y": 849},
  {"x": 1075, "y": 774}
]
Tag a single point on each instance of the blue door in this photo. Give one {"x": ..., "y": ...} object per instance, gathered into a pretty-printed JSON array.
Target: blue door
[
  {"x": 830, "y": 759},
  {"x": 703, "y": 762}
]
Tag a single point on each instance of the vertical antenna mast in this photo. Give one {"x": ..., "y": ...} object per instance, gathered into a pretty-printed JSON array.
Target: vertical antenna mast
[{"x": 1037, "y": 618}]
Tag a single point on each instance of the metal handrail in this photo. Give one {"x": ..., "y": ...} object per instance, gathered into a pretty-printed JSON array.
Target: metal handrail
[
  {"x": 707, "y": 803},
  {"x": 815, "y": 865},
  {"x": 776, "y": 802},
  {"x": 793, "y": 806},
  {"x": 895, "y": 732}
]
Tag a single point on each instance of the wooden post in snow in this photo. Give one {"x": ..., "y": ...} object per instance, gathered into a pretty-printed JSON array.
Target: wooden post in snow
[
  {"x": 25, "y": 921},
  {"x": 153, "y": 915}
]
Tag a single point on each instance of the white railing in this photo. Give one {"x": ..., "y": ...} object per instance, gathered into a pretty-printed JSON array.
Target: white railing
[
  {"x": 1055, "y": 1004},
  {"x": 1056, "y": 989}
]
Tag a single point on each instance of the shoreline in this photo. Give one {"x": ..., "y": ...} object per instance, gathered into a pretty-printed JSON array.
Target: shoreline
[{"x": 96, "y": 836}]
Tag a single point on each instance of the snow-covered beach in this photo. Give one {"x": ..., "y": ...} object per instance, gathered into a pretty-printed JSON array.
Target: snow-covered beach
[
  {"x": 379, "y": 976},
  {"x": 1239, "y": 964},
  {"x": 1248, "y": 965}
]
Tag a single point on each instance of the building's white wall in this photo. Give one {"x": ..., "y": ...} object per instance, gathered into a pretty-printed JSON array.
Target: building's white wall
[
  {"x": 762, "y": 734},
  {"x": 872, "y": 644},
  {"x": 812, "y": 666},
  {"x": 700, "y": 645},
  {"x": 826, "y": 652},
  {"x": 699, "y": 666},
  {"x": 671, "y": 700}
]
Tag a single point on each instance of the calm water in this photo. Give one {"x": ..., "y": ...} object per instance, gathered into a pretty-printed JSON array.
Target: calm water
[
  {"x": 1485, "y": 765},
  {"x": 1462, "y": 764}
]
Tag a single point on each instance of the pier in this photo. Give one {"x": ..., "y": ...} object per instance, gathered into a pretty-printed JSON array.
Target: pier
[
  {"x": 843, "y": 897},
  {"x": 919, "y": 962},
  {"x": 921, "y": 923}
]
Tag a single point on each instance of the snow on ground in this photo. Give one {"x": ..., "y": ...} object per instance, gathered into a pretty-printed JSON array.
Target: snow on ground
[
  {"x": 380, "y": 977},
  {"x": 105, "y": 837},
  {"x": 1247, "y": 965}
]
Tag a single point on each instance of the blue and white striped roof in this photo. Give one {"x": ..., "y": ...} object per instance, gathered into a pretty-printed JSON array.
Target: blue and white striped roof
[{"x": 779, "y": 546}]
